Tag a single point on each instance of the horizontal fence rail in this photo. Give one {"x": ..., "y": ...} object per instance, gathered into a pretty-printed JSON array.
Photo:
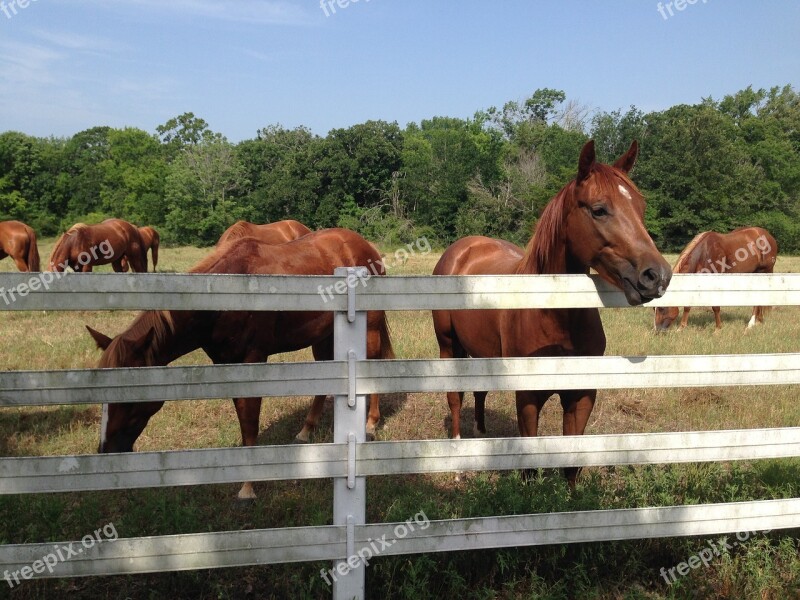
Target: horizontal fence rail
[
  {"x": 316, "y": 293},
  {"x": 144, "y": 384},
  {"x": 273, "y": 463},
  {"x": 330, "y": 542}
]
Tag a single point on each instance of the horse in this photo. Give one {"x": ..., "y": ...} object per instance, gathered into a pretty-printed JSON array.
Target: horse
[
  {"x": 744, "y": 250},
  {"x": 595, "y": 221},
  {"x": 18, "y": 241},
  {"x": 85, "y": 246},
  {"x": 156, "y": 338},
  {"x": 278, "y": 232},
  {"x": 150, "y": 241}
]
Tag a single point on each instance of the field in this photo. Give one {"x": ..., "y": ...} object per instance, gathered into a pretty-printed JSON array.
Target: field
[{"x": 767, "y": 566}]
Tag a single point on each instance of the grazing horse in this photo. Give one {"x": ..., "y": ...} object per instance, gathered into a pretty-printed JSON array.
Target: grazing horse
[
  {"x": 596, "y": 221},
  {"x": 84, "y": 246},
  {"x": 18, "y": 241},
  {"x": 744, "y": 250},
  {"x": 156, "y": 338},
  {"x": 150, "y": 241},
  {"x": 279, "y": 232}
]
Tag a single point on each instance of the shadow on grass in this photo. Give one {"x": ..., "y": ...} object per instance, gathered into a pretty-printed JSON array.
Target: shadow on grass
[{"x": 41, "y": 423}]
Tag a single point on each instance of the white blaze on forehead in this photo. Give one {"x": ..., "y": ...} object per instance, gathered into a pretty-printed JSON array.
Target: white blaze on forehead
[{"x": 624, "y": 191}]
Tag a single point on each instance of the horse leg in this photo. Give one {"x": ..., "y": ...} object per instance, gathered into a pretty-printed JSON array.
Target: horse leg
[
  {"x": 717, "y": 319},
  {"x": 450, "y": 347},
  {"x": 577, "y": 407},
  {"x": 684, "y": 318},
  {"x": 322, "y": 351},
  {"x": 479, "y": 430},
  {"x": 757, "y": 317},
  {"x": 19, "y": 261},
  {"x": 529, "y": 405},
  {"x": 120, "y": 266},
  {"x": 248, "y": 410}
]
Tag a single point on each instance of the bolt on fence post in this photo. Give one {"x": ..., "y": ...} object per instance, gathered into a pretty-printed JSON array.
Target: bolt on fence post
[{"x": 349, "y": 427}]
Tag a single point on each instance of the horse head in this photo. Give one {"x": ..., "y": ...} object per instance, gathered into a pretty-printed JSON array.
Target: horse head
[
  {"x": 124, "y": 422},
  {"x": 604, "y": 228}
]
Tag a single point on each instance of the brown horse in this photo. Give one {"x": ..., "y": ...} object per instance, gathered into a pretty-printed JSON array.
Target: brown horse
[
  {"x": 744, "y": 250},
  {"x": 18, "y": 241},
  {"x": 158, "y": 337},
  {"x": 596, "y": 221},
  {"x": 279, "y": 232},
  {"x": 150, "y": 241},
  {"x": 85, "y": 246}
]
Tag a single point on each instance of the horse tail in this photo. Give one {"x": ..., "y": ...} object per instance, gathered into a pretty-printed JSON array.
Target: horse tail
[
  {"x": 33, "y": 251},
  {"x": 386, "y": 341},
  {"x": 57, "y": 252},
  {"x": 154, "y": 247}
]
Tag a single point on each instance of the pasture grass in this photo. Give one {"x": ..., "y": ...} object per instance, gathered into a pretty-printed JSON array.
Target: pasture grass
[{"x": 766, "y": 567}]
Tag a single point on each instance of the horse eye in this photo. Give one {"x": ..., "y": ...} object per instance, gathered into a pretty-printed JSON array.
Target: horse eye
[{"x": 599, "y": 211}]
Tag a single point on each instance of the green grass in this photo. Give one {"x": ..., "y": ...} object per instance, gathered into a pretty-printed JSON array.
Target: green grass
[{"x": 767, "y": 566}]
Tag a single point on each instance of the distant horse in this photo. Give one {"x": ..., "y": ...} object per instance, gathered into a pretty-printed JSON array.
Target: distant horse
[
  {"x": 159, "y": 337},
  {"x": 278, "y": 232},
  {"x": 596, "y": 221},
  {"x": 744, "y": 250},
  {"x": 85, "y": 246},
  {"x": 150, "y": 241},
  {"x": 18, "y": 241}
]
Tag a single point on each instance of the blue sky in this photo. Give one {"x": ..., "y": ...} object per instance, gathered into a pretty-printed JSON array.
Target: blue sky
[{"x": 67, "y": 65}]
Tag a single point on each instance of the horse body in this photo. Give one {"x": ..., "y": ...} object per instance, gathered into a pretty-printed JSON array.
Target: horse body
[
  {"x": 278, "y": 232},
  {"x": 595, "y": 221},
  {"x": 159, "y": 337},
  {"x": 18, "y": 241},
  {"x": 744, "y": 250},
  {"x": 112, "y": 241}
]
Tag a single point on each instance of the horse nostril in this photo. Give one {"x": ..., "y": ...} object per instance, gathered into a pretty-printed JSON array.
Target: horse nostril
[{"x": 648, "y": 277}]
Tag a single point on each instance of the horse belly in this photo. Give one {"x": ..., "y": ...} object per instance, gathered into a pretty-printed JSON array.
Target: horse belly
[{"x": 478, "y": 332}]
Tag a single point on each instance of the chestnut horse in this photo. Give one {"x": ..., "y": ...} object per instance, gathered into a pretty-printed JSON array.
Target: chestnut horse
[
  {"x": 278, "y": 232},
  {"x": 157, "y": 338},
  {"x": 84, "y": 246},
  {"x": 150, "y": 241},
  {"x": 18, "y": 241},
  {"x": 596, "y": 221},
  {"x": 744, "y": 250}
]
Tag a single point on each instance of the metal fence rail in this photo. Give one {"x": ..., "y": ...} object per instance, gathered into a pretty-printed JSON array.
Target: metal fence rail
[{"x": 349, "y": 460}]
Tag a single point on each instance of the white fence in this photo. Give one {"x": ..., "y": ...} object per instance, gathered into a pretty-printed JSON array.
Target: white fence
[{"x": 349, "y": 460}]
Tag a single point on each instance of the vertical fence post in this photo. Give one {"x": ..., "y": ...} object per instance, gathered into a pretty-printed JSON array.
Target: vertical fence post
[{"x": 349, "y": 427}]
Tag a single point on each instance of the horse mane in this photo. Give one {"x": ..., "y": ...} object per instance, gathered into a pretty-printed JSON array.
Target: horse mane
[
  {"x": 540, "y": 254},
  {"x": 159, "y": 321},
  {"x": 683, "y": 259}
]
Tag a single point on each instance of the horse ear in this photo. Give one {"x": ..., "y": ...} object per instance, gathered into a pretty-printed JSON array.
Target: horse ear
[
  {"x": 626, "y": 161},
  {"x": 586, "y": 161},
  {"x": 102, "y": 340}
]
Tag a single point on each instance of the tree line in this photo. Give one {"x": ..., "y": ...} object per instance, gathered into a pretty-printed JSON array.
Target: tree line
[{"x": 712, "y": 165}]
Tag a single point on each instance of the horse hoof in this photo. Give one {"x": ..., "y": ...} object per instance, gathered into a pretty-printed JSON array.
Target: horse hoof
[
  {"x": 298, "y": 440},
  {"x": 370, "y": 437}
]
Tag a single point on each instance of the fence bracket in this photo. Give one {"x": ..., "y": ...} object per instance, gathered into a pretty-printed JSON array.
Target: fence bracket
[
  {"x": 351, "y": 536},
  {"x": 351, "y": 295},
  {"x": 351, "y": 378},
  {"x": 351, "y": 461}
]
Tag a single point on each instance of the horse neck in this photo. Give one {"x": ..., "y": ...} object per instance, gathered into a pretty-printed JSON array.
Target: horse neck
[
  {"x": 172, "y": 337},
  {"x": 547, "y": 252}
]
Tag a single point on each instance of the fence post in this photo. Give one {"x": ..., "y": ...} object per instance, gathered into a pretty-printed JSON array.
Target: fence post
[{"x": 349, "y": 427}]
